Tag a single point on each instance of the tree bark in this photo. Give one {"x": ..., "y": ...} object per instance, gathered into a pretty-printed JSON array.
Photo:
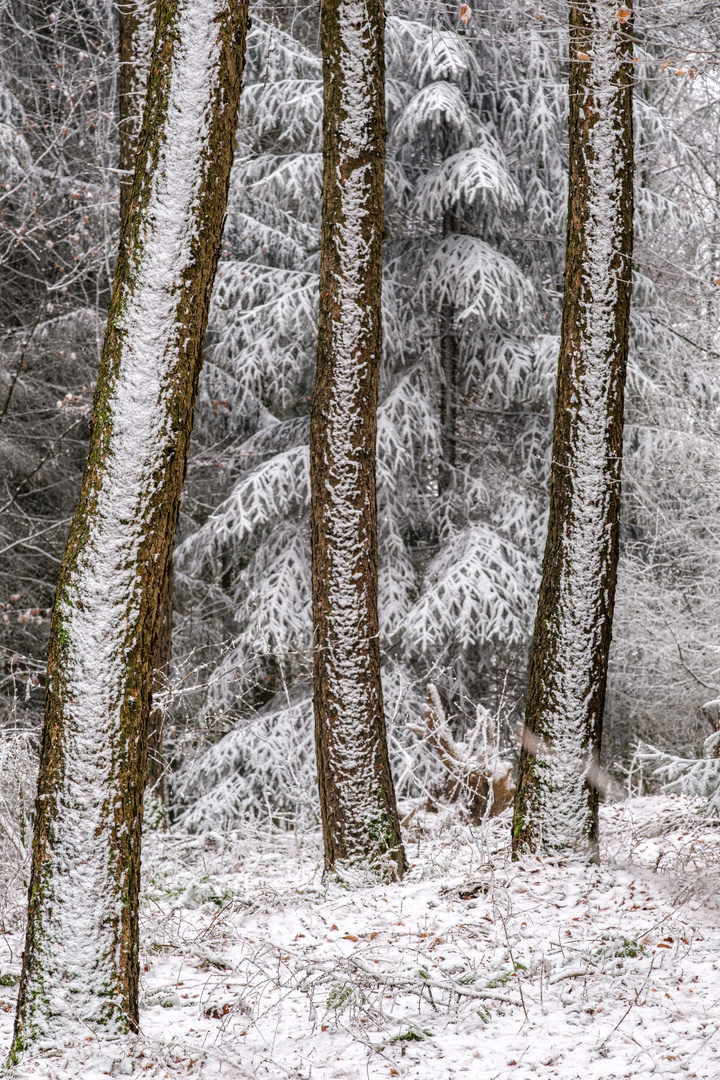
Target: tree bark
[
  {"x": 80, "y": 966},
  {"x": 155, "y": 777},
  {"x": 448, "y": 382},
  {"x": 556, "y": 802},
  {"x": 136, "y": 25},
  {"x": 360, "y": 822}
]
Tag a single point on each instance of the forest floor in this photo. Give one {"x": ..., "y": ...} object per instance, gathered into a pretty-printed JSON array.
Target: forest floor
[{"x": 476, "y": 965}]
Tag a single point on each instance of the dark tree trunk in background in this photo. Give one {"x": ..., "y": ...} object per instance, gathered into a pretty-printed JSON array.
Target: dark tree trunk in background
[
  {"x": 80, "y": 967},
  {"x": 360, "y": 822},
  {"x": 556, "y": 803},
  {"x": 448, "y": 383}
]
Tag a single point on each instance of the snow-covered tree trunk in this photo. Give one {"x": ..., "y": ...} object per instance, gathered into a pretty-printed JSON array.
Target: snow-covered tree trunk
[
  {"x": 136, "y": 27},
  {"x": 557, "y": 798},
  {"x": 80, "y": 966},
  {"x": 360, "y": 822}
]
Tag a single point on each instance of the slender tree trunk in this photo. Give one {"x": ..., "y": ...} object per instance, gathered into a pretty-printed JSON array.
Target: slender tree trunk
[
  {"x": 448, "y": 383},
  {"x": 360, "y": 822},
  {"x": 556, "y": 803},
  {"x": 136, "y": 25},
  {"x": 80, "y": 966}
]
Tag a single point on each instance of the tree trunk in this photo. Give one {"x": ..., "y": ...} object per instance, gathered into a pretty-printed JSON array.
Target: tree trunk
[
  {"x": 136, "y": 24},
  {"x": 448, "y": 383},
  {"x": 556, "y": 803},
  {"x": 155, "y": 779},
  {"x": 80, "y": 966},
  {"x": 360, "y": 823}
]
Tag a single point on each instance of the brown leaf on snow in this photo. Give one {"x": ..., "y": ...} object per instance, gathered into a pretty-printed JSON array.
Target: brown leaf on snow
[{"x": 465, "y": 14}]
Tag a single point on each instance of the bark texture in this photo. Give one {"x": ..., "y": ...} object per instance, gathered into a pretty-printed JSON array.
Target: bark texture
[
  {"x": 155, "y": 778},
  {"x": 136, "y": 26},
  {"x": 80, "y": 966},
  {"x": 360, "y": 822},
  {"x": 556, "y": 802}
]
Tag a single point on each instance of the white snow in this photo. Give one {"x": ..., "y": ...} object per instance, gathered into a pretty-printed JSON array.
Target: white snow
[{"x": 253, "y": 968}]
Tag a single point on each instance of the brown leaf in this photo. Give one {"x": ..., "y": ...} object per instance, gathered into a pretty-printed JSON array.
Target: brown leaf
[{"x": 465, "y": 14}]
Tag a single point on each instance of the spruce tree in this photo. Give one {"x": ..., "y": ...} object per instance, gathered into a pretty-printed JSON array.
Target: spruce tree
[
  {"x": 361, "y": 830},
  {"x": 80, "y": 966},
  {"x": 556, "y": 803}
]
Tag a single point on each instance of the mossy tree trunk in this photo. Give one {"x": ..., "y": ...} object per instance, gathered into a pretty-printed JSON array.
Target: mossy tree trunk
[
  {"x": 360, "y": 822},
  {"x": 136, "y": 25},
  {"x": 80, "y": 967},
  {"x": 556, "y": 802}
]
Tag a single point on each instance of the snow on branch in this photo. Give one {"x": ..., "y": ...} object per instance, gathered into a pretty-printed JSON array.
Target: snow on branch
[
  {"x": 274, "y": 592},
  {"x": 478, "y": 280},
  {"x": 696, "y": 777},
  {"x": 475, "y": 771},
  {"x": 479, "y": 588},
  {"x": 263, "y": 769},
  {"x": 289, "y": 109},
  {"x": 271, "y": 491},
  {"x": 426, "y": 55},
  {"x": 440, "y": 105},
  {"x": 273, "y": 54},
  {"x": 471, "y": 178}
]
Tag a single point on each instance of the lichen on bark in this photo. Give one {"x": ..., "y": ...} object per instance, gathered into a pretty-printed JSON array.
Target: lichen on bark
[
  {"x": 556, "y": 802},
  {"x": 80, "y": 967}
]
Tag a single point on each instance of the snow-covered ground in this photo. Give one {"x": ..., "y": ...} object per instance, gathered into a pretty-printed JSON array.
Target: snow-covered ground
[{"x": 474, "y": 965}]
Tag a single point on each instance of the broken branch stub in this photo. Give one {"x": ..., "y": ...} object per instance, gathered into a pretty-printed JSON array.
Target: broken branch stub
[{"x": 476, "y": 774}]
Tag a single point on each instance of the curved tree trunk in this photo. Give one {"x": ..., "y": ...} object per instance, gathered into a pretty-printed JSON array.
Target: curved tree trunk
[
  {"x": 360, "y": 822},
  {"x": 556, "y": 803},
  {"x": 80, "y": 965}
]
